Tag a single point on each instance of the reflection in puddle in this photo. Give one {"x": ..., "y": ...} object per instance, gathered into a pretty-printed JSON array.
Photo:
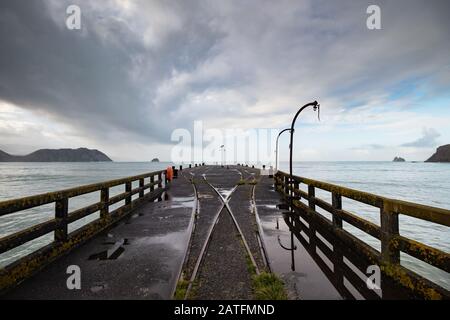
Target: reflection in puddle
[
  {"x": 174, "y": 240},
  {"x": 111, "y": 254},
  {"x": 313, "y": 268},
  {"x": 303, "y": 278},
  {"x": 178, "y": 202}
]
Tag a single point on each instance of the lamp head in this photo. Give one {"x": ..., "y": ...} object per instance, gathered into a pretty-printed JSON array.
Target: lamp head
[{"x": 317, "y": 107}]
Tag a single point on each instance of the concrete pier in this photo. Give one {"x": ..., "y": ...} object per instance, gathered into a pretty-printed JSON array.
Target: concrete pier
[{"x": 212, "y": 231}]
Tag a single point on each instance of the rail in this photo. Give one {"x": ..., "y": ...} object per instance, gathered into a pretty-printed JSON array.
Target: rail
[
  {"x": 63, "y": 241},
  {"x": 392, "y": 243}
]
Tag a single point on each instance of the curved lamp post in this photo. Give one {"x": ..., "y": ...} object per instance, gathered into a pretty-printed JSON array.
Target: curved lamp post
[
  {"x": 315, "y": 106},
  {"x": 276, "y": 148}
]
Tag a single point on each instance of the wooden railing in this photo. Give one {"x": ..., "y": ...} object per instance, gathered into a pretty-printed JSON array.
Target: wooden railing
[
  {"x": 63, "y": 240},
  {"x": 392, "y": 243}
]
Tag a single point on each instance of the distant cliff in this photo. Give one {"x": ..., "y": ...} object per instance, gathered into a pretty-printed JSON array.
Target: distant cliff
[
  {"x": 442, "y": 154},
  {"x": 57, "y": 155}
]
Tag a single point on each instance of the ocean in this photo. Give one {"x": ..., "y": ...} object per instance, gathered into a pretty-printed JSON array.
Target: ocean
[{"x": 424, "y": 183}]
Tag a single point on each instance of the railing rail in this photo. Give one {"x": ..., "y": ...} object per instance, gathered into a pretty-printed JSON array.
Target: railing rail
[
  {"x": 392, "y": 243},
  {"x": 63, "y": 240}
]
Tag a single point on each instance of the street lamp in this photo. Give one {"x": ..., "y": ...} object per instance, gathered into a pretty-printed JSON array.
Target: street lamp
[
  {"x": 315, "y": 106},
  {"x": 276, "y": 148},
  {"x": 222, "y": 153}
]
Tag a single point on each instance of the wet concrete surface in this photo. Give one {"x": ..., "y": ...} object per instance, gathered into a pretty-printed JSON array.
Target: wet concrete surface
[
  {"x": 140, "y": 258},
  {"x": 307, "y": 281},
  {"x": 321, "y": 267}
]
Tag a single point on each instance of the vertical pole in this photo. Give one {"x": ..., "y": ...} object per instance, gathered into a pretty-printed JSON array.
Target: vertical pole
[
  {"x": 160, "y": 183},
  {"x": 160, "y": 179},
  {"x": 292, "y": 247},
  {"x": 291, "y": 144},
  {"x": 389, "y": 229},
  {"x": 311, "y": 196},
  {"x": 312, "y": 206},
  {"x": 152, "y": 181},
  {"x": 336, "y": 200},
  {"x": 141, "y": 186},
  {"x": 128, "y": 189},
  {"x": 338, "y": 262},
  {"x": 296, "y": 186},
  {"x": 61, "y": 212},
  {"x": 286, "y": 187},
  {"x": 104, "y": 199}
]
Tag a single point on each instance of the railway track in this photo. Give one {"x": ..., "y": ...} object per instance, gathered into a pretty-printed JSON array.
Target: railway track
[{"x": 225, "y": 205}]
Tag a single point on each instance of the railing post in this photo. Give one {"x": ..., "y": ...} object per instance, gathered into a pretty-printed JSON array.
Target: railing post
[
  {"x": 152, "y": 181},
  {"x": 141, "y": 185},
  {"x": 128, "y": 189},
  {"x": 61, "y": 212},
  {"x": 160, "y": 180},
  {"x": 336, "y": 202},
  {"x": 312, "y": 206},
  {"x": 276, "y": 184},
  {"x": 311, "y": 196},
  {"x": 104, "y": 199},
  {"x": 389, "y": 229},
  {"x": 296, "y": 186},
  {"x": 286, "y": 187},
  {"x": 160, "y": 185}
]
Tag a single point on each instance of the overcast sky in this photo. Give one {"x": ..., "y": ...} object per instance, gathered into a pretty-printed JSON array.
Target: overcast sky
[{"x": 137, "y": 70}]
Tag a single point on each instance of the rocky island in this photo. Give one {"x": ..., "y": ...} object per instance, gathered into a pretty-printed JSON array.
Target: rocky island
[
  {"x": 57, "y": 155},
  {"x": 398, "y": 159},
  {"x": 155, "y": 160},
  {"x": 442, "y": 154}
]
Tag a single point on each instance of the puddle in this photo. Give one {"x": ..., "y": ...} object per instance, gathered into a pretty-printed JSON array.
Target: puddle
[
  {"x": 175, "y": 240},
  {"x": 312, "y": 263},
  {"x": 111, "y": 254},
  {"x": 178, "y": 202},
  {"x": 303, "y": 278},
  {"x": 225, "y": 192},
  {"x": 270, "y": 206}
]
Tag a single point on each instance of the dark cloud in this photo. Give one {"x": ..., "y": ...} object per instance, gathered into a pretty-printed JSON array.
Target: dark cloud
[{"x": 101, "y": 81}]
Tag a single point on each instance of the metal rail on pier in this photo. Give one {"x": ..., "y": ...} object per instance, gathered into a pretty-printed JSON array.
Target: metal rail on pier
[{"x": 392, "y": 243}]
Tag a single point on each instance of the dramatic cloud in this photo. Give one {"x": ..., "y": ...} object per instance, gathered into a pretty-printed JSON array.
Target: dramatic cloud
[{"x": 140, "y": 69}]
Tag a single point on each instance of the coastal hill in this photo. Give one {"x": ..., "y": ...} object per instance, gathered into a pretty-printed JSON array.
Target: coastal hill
[
  {"x": 57, "y": 155},
  {"x": 442, "y": 154}
]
